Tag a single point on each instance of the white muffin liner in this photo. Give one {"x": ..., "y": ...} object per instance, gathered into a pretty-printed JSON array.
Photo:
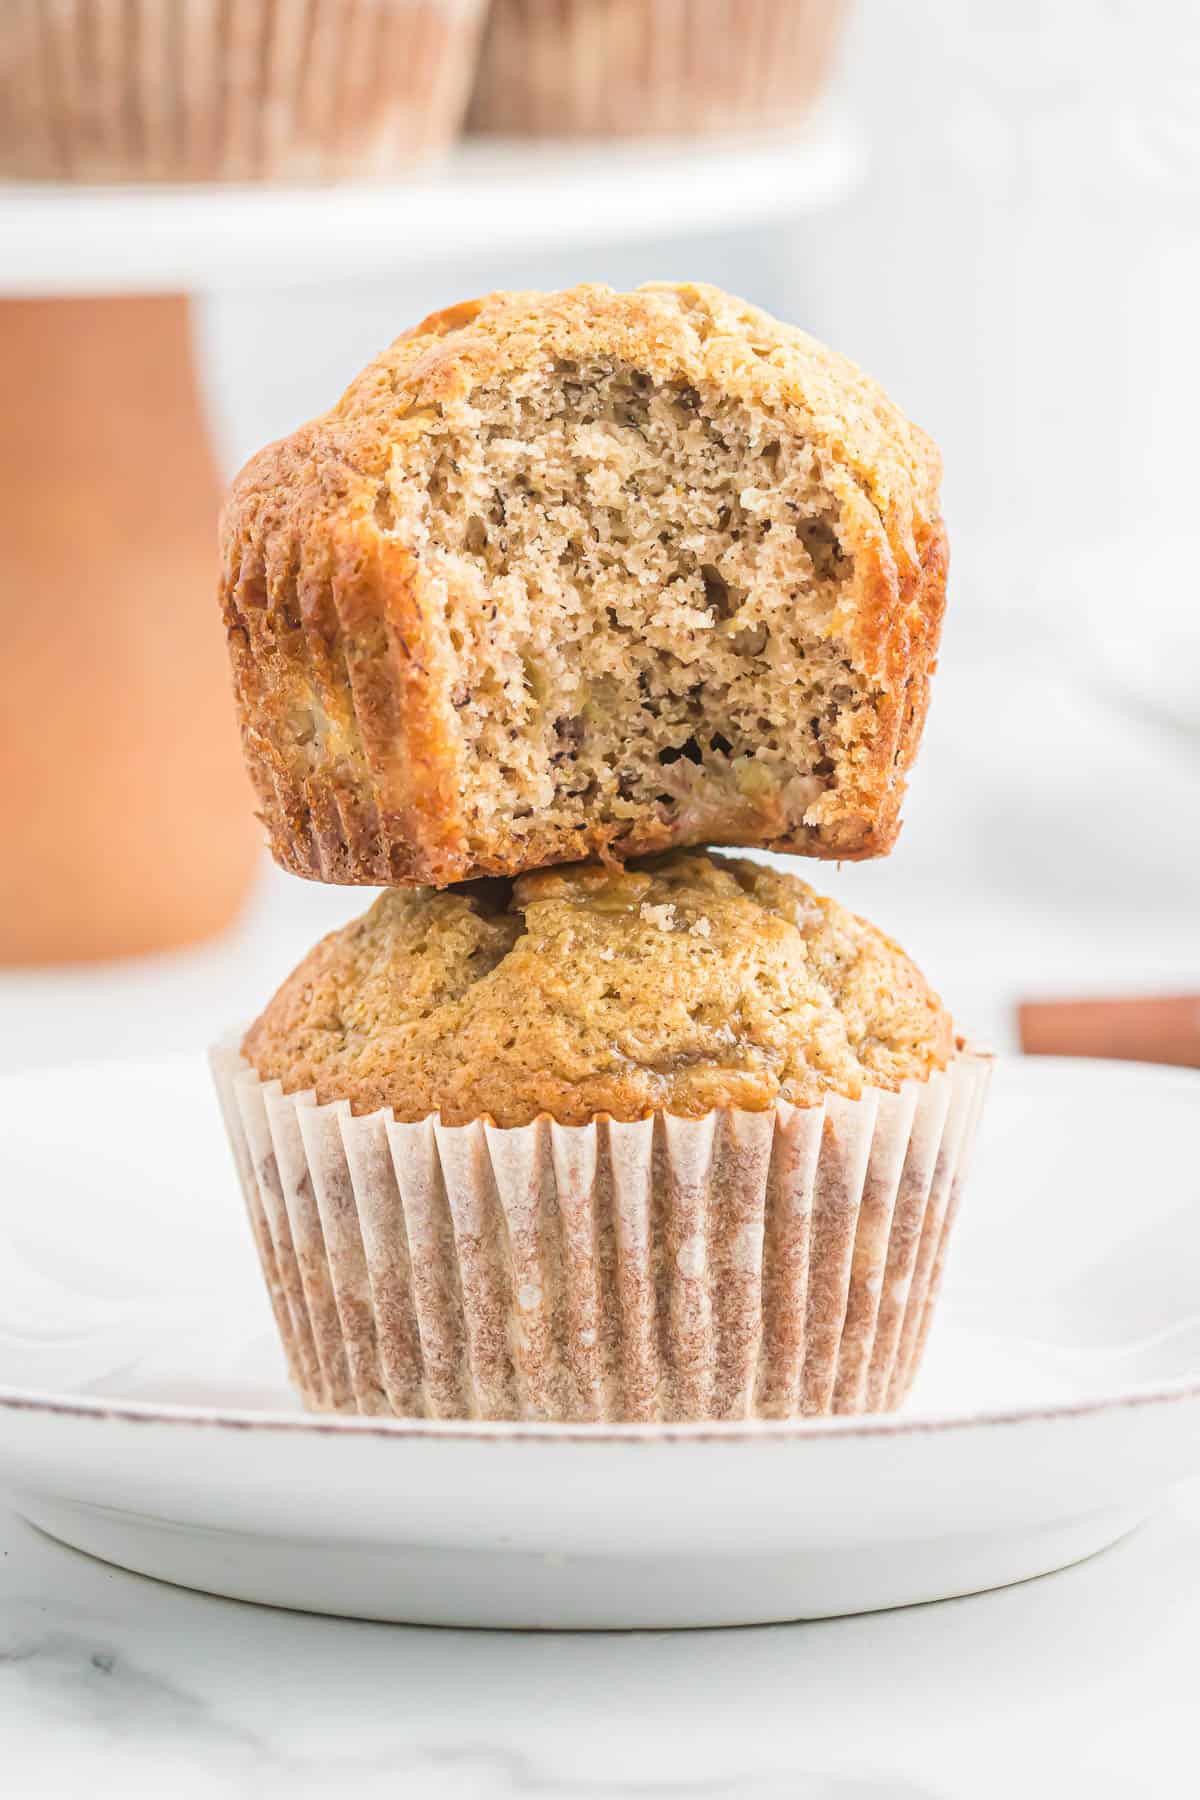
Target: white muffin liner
[
  {"x": 604, "y": 68},
  {"x": 745, "y": 1264},
  {"x": 209, "y": 90}
]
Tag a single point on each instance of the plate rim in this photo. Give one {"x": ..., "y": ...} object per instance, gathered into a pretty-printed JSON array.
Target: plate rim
[
  {"x": 862, "y": 1425},
  {"x": 59, "y": 1406}
]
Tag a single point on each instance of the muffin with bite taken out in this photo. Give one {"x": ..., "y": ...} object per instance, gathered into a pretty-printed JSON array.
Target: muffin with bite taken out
[{"x": 585, "y": 574}]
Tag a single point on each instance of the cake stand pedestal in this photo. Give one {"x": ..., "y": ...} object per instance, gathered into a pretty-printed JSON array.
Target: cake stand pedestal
[{"x": 127, "y": 816}]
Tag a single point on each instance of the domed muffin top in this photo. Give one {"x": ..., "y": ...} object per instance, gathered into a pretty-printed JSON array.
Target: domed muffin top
[{"x": 687, "y": 982}]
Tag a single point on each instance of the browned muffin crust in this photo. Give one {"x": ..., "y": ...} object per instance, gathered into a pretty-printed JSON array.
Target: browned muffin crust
[
  {"x": 581, "y": 574},
  {"x": 687, "y": 983}
]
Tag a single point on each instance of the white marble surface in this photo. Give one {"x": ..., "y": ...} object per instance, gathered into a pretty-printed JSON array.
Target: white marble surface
[{"x": 1082, "y": 1682}]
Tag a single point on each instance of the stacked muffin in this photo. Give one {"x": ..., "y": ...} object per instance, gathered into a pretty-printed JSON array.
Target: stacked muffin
[{"x": 580, "y": 1121}]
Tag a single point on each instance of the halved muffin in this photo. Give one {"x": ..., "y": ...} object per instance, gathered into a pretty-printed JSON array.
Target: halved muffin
[{"x": 585, "y": 573}]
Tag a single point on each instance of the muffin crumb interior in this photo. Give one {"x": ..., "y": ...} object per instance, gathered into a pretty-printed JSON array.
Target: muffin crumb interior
[{"x": 642, "y": 581}]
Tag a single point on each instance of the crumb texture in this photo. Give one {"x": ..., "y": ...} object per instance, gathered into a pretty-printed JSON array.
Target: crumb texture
[
  {"x": 640, "y": 585},
  {"x": 686, "y": 983},
  {"x": 580, "y": 573}
]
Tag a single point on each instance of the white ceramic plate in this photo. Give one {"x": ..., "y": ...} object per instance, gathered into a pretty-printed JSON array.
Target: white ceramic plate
[{"x": 144, "y": 1415}]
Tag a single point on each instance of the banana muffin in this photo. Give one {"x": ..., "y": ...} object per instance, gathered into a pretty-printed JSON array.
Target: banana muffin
[
  {"x": 685, "y": 983},
  {"x": 231, "y": 90},
  {"x": 641, "y": 68},
  {"x": 678, "y": 1141},
  {"x": 585, "y": 573}
]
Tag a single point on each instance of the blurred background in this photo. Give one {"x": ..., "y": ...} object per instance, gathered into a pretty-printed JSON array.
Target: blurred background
[{"x": 994, "y": 207}]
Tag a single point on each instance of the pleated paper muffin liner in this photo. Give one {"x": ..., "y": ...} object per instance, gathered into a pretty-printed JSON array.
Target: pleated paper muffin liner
[
  {"x": 206, "y": 90},
  {"x": 650, "y": 67},
  {"x": 745, "y": 1264}
]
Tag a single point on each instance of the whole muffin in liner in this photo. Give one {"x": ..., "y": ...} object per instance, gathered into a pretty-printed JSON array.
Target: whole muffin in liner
[
  {"x": 205, "y": 90},
  {"x": 600, "y": 68},
  {"x": 768, "y": 1264}
]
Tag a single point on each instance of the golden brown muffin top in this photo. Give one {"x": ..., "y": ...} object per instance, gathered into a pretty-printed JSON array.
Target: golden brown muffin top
[{"x": 687, "y": 982}]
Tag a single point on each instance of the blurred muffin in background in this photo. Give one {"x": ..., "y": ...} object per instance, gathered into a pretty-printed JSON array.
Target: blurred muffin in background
[
  {"x": 230, "y": 90},
  {"x": 608, "y": 68}
]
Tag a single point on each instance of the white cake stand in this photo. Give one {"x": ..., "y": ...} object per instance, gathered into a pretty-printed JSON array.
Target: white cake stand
[
  {"x": 489, "y": 194},
  {"x": 109, "y": 484}
]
